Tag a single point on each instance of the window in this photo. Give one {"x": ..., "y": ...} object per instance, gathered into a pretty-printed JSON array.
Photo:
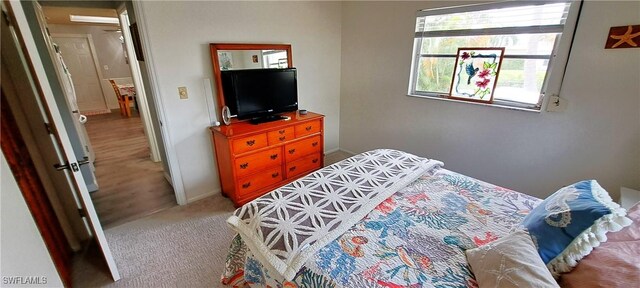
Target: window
[{"x": 536, "y": 37}]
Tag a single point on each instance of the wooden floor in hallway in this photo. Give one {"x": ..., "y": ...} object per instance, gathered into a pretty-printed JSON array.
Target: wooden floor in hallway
[{"x": 131, "y": 186}]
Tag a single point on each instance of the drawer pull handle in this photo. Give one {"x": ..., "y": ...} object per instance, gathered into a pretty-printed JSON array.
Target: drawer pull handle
[
  {"x": 274, "y": 175},
  {"x": 251, "y": 142},
  {"x": 244, "y": 165},
  {"x": 308, "y": 128},
  {"x": 282, "y": 138},
  {"x": 314, "y": 144},
  {"x": 291, "y": 151},
  {"x": 281, "y": 131},
  {"x": 293, "y": 168},
  {"x": 315, "y": 160},
  {"x": 274, "y": 156},
  {"x": 246, "y": 185}
]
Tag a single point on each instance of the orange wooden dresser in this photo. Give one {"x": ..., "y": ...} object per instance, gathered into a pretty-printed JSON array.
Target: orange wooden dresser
[{"x": 255, "y": 159}]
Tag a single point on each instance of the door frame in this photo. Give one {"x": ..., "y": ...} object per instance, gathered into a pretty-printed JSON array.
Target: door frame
[
  {"x": 96, "y": 63},
  {"x": 175, "y": 177},
  {"x": 143, "y": 104},
  {"x": 170, "y": 151}
]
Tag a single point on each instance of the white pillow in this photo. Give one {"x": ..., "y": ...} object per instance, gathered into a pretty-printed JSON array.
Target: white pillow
[{"x": 511, "y": 261}]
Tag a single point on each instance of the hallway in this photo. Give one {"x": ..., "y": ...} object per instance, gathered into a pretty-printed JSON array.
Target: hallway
[{"x": 131, "y": 185}]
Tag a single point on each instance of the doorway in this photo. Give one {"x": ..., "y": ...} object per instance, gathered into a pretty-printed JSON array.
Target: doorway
[
  {"x": 59, "y": 149},
  {"x": 121, "y": 143}
]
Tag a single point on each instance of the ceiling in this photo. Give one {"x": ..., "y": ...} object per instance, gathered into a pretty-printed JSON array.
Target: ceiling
[{"x": 60, "y": 15}]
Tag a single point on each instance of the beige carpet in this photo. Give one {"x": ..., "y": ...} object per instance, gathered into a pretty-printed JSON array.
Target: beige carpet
[
  {"x": 183, "y": 246},
  {"x": 180, "y": 247}
]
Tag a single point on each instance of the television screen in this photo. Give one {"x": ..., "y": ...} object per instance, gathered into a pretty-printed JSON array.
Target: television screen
[{"x": 260, "y": 92}]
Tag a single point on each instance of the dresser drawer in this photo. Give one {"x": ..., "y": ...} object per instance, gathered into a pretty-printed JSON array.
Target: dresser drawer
[
  {"x": 249, "y": 143},
  {"x": 307, "y": 128},
  {"x": 280, "y": 135},
  {"x": 247, "y": 185},
  {"x": 303, "y": 165},
  {"x": 255, "y": 162},
  {"x": 301, "y": 148}
]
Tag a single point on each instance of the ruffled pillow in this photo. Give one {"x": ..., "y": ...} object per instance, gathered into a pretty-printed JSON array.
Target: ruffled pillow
[
  {"x": 614, "y": 264},
  {"x": 568, "y": 224}
]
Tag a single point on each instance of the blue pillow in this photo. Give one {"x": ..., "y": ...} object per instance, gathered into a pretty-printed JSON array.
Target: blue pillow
[{"x": 571, "y": 222}]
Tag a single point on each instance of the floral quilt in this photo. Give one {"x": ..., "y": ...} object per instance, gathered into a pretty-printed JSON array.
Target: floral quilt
[{"x": 415, "y": 238}]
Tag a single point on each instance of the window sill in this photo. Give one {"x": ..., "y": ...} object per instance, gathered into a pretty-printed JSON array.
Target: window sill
[{"x": 477, "y": 103}]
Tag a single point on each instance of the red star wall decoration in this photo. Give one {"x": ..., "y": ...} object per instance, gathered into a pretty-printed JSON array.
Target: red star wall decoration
[{"x": 623, "y": 37}]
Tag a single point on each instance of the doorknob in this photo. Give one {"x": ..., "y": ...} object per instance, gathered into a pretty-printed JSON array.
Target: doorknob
[
  {"x": 66, "y": 166},
  {"x": 74, "y": 166},
  {"x": 82, "y": 119},
  {"x": 85, "y": 160}
]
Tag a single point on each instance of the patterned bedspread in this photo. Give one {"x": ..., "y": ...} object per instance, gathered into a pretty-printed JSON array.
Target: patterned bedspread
[{"x": 415, "y": 238}]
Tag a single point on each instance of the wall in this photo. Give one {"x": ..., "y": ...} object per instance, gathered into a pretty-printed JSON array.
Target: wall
[
  {"x": 108, "y": 49},
  {"x": 179, "y": 38},
  {"x": 597, "y": 137},
  {"x": 23, "y": 251}
]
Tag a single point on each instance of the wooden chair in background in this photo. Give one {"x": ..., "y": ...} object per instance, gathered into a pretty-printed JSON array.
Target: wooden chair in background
[{"x": 123, "y": 100}]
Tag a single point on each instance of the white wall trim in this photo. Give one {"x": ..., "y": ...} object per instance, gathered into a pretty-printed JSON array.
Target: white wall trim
[
  {"x": 348, "y": 151},
  {"x": 332, "y": 150},
  {"x": 121, "y": 8},
  {"x": 172, "y": 159},
  {"x": 168, "y": 177},
  {"x": 205, "y": 195},
  {"x": 136, "y": 78}
]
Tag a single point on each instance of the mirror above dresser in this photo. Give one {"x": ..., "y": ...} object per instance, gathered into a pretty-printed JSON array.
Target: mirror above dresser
[
  {"x": 230, "y": 56},
  {"x": 252, "y": 59}
]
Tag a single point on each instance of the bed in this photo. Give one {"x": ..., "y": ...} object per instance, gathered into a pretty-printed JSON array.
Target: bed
[{"x": 416, "y": 237}]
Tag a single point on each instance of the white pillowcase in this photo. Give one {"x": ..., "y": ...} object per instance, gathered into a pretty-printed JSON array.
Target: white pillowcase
[{"x": 511, "y": 261}]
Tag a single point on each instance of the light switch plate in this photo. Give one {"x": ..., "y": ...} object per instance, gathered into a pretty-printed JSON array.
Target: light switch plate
[
  {"x": 182, "y": 91},
  {"x": 556, "y": 104}
]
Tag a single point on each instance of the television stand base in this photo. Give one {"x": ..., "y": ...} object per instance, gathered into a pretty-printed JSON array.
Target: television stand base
[{"x": 265, "y": 119}]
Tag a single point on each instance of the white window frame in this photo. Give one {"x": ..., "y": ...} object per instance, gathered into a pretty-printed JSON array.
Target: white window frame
[{"x": 557, "y": 61}]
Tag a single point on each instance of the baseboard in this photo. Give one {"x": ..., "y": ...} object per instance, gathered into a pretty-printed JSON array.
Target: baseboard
[
  {"x": 331, "y": 151},
  {"x": 350, "y": 152},
  {"x": 205, "y": 195},
  {"x": 95, "y": 112},
  {"x": 339, "y": 149},
  {"x": 168, "y": 177}
]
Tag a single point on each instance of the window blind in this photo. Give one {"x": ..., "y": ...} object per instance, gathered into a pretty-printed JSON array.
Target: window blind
[{"x": 493, "y": 19}]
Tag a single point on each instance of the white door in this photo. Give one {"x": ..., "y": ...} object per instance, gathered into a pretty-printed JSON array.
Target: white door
[
  {"x": 61, "y": 147},
  {"x": 79, "y": 58},
  {"x": 78, "y": 119},
  {"x": 69, "y": 91}
]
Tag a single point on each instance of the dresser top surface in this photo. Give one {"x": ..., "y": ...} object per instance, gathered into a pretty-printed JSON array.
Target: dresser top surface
[{"x": 244, "y": 128}]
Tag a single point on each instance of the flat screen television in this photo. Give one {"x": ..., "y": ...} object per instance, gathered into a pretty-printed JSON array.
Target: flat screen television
[{"x": 259, "y": 94}]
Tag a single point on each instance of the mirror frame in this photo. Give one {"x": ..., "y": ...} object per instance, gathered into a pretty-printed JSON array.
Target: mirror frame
[{"x": 215, "y": 47}]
